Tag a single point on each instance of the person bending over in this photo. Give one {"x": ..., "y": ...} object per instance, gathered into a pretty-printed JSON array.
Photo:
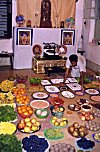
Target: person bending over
[{"x": 75, "y": 68}]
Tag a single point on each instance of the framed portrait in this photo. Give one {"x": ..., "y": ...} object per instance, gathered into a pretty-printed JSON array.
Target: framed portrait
[
  {"x": 67, "y": 37},
  {"x": 24, "y": 36}
]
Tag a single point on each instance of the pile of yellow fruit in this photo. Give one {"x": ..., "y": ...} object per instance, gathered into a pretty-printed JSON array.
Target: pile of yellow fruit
[
  {"x": 59, "y": 122},
  {"x": 29, "y": 125},
  {"x": 7, "y": 128},
  {"x": 6, "y": 98},
  {"x": 6, "y": 85}
]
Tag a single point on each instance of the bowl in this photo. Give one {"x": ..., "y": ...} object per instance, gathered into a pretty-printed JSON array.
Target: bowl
[
  {"x": 21, "y": 79},
  {"x": 41, "y": 113},
  {"x": 56, "y": 101},
  {"x": 25, "y": 111},
  {"x": 39, "y": 104},
  {"x": 57, "y": 112}
]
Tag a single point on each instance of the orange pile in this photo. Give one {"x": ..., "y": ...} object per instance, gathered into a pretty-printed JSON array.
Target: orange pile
[{"x": 25, "y": 111}]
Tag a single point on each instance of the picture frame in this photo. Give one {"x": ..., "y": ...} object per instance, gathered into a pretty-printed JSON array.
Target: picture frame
[
  {"x": 67, "y": 37},
  {"x": 24, "y": 36}
]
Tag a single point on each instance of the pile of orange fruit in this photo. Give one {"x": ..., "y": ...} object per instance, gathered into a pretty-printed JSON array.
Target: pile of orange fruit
[
  {"x": 19, "y": 91},
  {"x": 25, "y": 111},
  {"x": 22, "y": 99}
]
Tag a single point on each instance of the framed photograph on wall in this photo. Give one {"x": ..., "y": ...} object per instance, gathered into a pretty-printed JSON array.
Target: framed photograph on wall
[
  {"x": 24, "y": 36},
  {"x": 67, "y": 37}
]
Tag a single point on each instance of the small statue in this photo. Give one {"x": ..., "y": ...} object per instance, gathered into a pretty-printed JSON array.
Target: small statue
[{"x": 45, "y": 20}]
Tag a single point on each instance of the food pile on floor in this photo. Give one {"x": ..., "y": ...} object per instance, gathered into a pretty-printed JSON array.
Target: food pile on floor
[{"x": 48, "y": 117}]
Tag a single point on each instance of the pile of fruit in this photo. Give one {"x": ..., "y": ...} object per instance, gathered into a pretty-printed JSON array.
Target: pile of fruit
[
  {"x": 22, "y": 100},
  {"x": 86, "y": 116},
  {"x": 77, "y": 130},
  {"x": 29, "y": 125},
  {"x": 18, "y": 91},
  {"x": 6, "y": 85},
  {"x": 62, "y": 122},
  {"x": 62, "y": 147},
  {"x": 6, "y": 98},
  {"x": 25, "y": 111},
  {"x": 92, "y": 125}
]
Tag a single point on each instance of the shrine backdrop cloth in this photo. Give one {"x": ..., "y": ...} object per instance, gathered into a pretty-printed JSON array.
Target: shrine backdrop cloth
[{"x": 64, "y": 8}]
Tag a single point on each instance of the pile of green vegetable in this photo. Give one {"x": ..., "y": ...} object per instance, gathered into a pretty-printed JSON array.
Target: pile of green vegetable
[
  {"x": 53, "y": 134},
  {"x": 35, "y": 80},
  {"x": 10, "y": 143},
  {"x": 7, "y": 113}
]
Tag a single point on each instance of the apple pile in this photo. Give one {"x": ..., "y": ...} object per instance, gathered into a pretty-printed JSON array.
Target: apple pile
[
  {"x": 25, "y": 111},
  {"x": 86, "y": 116},
  {"x": 29, "y": 125}
]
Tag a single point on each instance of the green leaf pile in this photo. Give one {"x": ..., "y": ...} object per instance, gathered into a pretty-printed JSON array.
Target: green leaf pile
[
  {"x": 35, "y": 80},
  {"x": 7, "y": 113},
  {"x": 10, "y": 143}
]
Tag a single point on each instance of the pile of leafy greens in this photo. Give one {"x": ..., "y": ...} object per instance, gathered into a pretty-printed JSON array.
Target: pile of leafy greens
[
  {"x": 10, "y": 143},
  {"x": 7, "y": 113}
]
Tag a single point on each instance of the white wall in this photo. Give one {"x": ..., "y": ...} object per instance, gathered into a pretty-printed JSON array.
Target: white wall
[
  {"x": 92, "y": 50},
  {"x": 79, "y": 20}
]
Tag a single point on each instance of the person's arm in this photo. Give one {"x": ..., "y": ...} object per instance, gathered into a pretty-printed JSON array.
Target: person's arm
[
  {"x": 81, "y": 78},
  {"x": 67, "y": 73}
]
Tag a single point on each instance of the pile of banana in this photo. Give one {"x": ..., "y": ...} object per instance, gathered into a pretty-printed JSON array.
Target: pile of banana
[
  {"x": 6, "y": 85},
  {"x": 6, "y": 98}
]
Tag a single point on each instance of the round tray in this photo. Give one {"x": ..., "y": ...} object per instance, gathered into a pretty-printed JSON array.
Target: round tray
[
  {"x": 95, "y": 96},
  {"x": 79, "y": 93},
  {"x": 92, "y": 91},
  {"x": 40, "y": 95},
  {"x": 82, "y": 101},
  {"x": 67, "y": 94},
  {"x": 74, "y": 107}
]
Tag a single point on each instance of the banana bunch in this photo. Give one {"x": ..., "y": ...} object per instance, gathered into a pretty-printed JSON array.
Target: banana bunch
[
  {"x": 6, "y": 98},
  {"x": 6, "y": 85}
]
